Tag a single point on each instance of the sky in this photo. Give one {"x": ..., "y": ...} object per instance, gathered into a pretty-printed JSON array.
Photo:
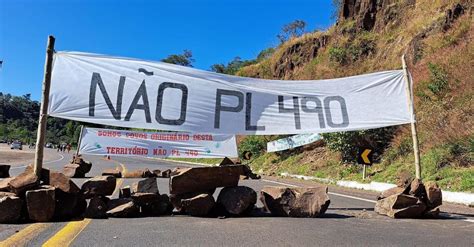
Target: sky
[{"x": 215, "y": 31}]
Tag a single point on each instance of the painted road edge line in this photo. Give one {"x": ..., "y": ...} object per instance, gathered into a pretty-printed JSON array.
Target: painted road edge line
[
  {"x": 331, "y": 193},
  {"x": 24, "y": 235}
]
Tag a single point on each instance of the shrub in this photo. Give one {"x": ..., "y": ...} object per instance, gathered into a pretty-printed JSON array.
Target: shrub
[
  {"x": 348, "y": 143},
  {"x": 337, "y": 54},
  {"x": 438, "y": 79},
  {"x": 255, "y": 144}
]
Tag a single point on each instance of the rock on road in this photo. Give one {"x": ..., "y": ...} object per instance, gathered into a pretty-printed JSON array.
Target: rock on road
[{"x": 350, "y": 220}]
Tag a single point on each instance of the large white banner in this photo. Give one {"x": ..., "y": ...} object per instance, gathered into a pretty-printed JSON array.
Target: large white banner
[
  {"x": 156, "y": 144},
  {"x": 292, "y": 142},
  {"x": 153, "y": 95}
]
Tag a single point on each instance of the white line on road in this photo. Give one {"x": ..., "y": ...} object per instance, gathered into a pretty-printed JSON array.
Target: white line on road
[
  {"x": 331, "y": 193},
  {"x": 47, "y": 162},
  {"x": 352, "y": 197}
]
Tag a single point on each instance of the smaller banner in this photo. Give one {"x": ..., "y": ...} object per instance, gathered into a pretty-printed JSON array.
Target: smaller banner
[
  {"x": 156, "y": 144},
  {"x": 292, "y": 142}
]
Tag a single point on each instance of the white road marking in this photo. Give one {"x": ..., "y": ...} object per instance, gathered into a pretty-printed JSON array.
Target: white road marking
[
  {"x": 291, "y": 185},
  {"x": 352, "y": 197},
  {"x": 469, "y": 220},
  {"x": 47, "y": 162},
  {"x": 331, "y": 193}
]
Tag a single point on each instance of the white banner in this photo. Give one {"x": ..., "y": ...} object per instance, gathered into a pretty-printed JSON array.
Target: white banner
[
  {"x": 156, "y": 144},
  {"x": 292, "y": 142},
  {"x": 152, "y": 95}
]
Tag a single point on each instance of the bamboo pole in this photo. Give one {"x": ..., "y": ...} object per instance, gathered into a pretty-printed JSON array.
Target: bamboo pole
[
  {"x": 411, "y": 108},
  {"x": 79, "y": 141},
  {"x": 38, "y": 165}
]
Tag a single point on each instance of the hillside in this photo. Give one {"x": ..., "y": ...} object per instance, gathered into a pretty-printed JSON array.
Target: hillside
[{"x": 369, "y": 36}]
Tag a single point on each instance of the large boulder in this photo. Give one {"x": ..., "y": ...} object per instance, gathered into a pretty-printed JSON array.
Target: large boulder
[
  {"x": 165, "y": 174},
  {"x": 23, "y": 182},
  {"x": 389, "y": 192},
  {"x": 148, "y": 185},
  {"x": 123, "y": 208},
  {"x": 99, "y": 186},
  {"x": 97, "y": 208},
  {"x": 296, "y": 201},
  {"x": 44, "y": 174},
  {"x": 4, "y": 171},
  {"x": 73, "y": 171},
  {"x": 177, "y": 199},
  {"x": 400, "y": 206},
  {"x": 63, "y": 183},
  {"x": 144, "y": 198},
  {"x": 199, "y": 205},
  {"x": 4, "y": 184},
  {"x": 125, "y": 192},
  {"x": 156, "y": 172},
  {"x": 434, "y": 197},
  {"x": 417, "y": 189},
  {"x": 139, "y": 173},
  {"x": 226, "y": 162},
  {"x": 204, "y": 178},
  {"x": 41, "y": 203},
  {"x": 112, "y": 172},
  {"x": 10, "y": 209},
  {"x": 84, "y": 165},
  {"x": 66, "y": 205},
  {"x": 162, "y": 206},
  {"x": 237, "y": 200}
]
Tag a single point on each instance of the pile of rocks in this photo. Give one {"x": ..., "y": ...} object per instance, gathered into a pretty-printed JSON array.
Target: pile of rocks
[
  {"x": 4, "y": 171},
  {"x": 192, "y": 189},
  {"x": 27, "y": 198},
  {"x": 142, "y": 199},
  {"x": 55, "y": 196},
  {"x": 192, "y": 192},
  {"x": 410, "y": 199},
  {"x": 78, "y": 167}
]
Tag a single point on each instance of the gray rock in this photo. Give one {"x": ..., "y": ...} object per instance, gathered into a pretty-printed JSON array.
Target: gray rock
[{"x": 295, "y": 201}]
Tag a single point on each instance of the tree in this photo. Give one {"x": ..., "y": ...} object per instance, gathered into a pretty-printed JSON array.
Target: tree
[
  {"x": 232, "y": 67},
  {"x": 292, "y": 30},
  {"x": 185, "y": 59}
]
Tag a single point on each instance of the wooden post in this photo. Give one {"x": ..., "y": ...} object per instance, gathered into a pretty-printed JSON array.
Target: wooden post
[
  {"x": 411, "y": 108},
  {"x": 38, "y": 165},
  {"x": 79, "y": 141}
]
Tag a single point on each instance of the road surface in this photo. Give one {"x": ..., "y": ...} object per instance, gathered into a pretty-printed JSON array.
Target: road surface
[{"x": 349, "y": 221}]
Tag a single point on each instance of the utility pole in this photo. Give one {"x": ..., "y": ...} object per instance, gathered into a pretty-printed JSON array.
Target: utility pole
[
  {"x": 48, "y": 66},
  {"x": 411, "y": 108}
]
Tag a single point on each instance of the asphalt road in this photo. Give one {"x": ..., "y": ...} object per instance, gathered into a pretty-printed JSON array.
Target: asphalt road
[{"x": 349, "y": 221}]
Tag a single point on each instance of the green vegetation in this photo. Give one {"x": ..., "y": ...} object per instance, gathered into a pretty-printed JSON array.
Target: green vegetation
[
  {"x": 185, "y": 59},
  {"x": 19, "y": 120}
]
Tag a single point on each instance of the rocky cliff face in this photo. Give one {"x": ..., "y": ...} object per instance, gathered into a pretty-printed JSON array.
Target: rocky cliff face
[
  {"x": 364, "y": 27},
  {"x": 373, "y": 14}
]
